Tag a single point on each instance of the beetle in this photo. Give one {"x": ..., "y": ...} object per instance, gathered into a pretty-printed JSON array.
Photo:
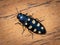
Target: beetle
[{"x": 32, "y": 24}]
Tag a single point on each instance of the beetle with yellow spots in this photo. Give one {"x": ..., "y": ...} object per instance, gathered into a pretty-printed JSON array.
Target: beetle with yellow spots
[{"x": 33, "y": 25}]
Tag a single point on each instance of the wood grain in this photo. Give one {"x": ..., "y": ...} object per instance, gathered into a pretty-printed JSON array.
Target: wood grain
[{"x": 47, "y": 10}]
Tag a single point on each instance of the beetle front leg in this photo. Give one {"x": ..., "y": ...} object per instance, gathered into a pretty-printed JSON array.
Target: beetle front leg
[
  {"x": 22, "y": 26},
  {"x": 18, "y": 23}
]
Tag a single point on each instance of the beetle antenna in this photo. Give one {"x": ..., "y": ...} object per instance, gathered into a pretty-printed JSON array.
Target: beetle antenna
[{"x": 17, "y": 10}]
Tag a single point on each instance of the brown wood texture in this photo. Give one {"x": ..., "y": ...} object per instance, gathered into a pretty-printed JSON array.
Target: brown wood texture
[{"x": 47, "y": 10}]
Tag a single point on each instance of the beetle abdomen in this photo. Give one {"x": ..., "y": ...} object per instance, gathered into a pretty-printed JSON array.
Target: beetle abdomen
[{"x": 35, "y": 26}]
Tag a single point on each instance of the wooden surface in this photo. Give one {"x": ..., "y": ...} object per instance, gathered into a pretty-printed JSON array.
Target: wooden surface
[{"x": 47, "y": 10}]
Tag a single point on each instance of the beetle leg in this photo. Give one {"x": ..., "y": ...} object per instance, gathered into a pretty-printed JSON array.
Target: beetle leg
[
  {"x": 39, "y": 20},
  {"x": 18, "y": 23},
  {"x": 31, "y": 15},
  {"x": 22, "y": 26},
  {"x": 23, "y": 29},
  {"x": 31, "y": 33},
  {"x": 26, "y": 13}
]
